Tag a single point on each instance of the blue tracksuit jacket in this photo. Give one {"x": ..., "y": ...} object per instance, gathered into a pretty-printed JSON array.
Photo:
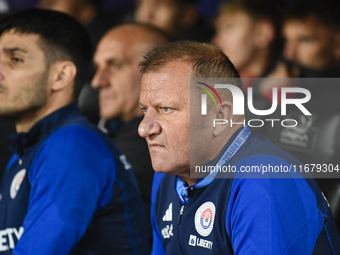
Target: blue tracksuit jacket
[
  {"x": 69, "y": 190},
  {"x": 241, "y": 215}
]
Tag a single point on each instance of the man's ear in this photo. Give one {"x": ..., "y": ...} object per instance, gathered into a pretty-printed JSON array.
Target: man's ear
[
  {"x": 64, "y": 73},
  {"x": 264, "y": 34},
  {"x": 223, "y": 112}
]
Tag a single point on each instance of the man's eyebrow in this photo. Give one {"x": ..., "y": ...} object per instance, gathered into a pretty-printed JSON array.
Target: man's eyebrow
[{"x": 10, "y": 50}]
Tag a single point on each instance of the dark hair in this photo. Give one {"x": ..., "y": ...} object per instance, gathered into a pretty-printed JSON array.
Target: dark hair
[
  {"x": 193, "y": 2},
  {"x": 325, "y": 12},
  {"x": 95, "y": 3},
  {"x": 61, "y": 38},
  {"x": 207, "y": 60}
]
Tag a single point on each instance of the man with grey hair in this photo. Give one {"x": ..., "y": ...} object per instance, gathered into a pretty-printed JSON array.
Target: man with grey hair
[
  {"x": 118, "y": 81},
  {"x": 238, "y": 213}
]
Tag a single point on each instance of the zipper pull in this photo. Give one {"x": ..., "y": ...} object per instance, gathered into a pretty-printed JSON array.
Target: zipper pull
[{"x": 180, "y": 214}]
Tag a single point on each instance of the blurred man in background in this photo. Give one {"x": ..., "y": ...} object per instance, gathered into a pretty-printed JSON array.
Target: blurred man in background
[
  {"x": 247, "y": 31},
  {"x": 311, "y": 30},
  {"x": 118, "y": 80},
  {"x": 312, "y": 39},
  {"x": 179, "y": 18}
]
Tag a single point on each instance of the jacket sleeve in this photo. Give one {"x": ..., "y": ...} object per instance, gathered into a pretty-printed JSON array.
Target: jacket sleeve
[
  {"x": 272, "y": 215},
  {"x": 157, "y": 246},
  {"x": 71, "y": 178}
]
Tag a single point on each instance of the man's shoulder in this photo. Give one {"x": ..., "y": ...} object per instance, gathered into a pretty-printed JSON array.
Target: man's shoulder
[
  {"x": 76, "y": 132},
  {"x": 259, "y": 147},
  {"x": 160, "y": 178},
  {"x": 73, "y": 145},
  {"x": 162, "y": 181},
  {"x": 79, "y": 128}
]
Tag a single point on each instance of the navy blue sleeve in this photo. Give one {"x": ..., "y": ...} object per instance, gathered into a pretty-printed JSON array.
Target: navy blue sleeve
[
  {"x": 272, "y": 215},
  {"x": 157, "y": 246},
  {"x": 71, "y": 178}
]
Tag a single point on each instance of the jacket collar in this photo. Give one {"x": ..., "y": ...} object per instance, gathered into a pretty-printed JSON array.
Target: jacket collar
[
  {"x": 238, "y": 138},
  {"x": 43, "y": 129}
]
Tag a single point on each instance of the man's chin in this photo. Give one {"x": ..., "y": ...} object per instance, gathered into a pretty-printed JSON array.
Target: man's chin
[
  {"x": 8, "y": 113},
  {"x": 159, "y": 168},
  {"x": 107, "y": 115}
]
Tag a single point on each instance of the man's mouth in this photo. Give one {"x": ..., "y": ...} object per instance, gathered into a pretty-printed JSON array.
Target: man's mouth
[{"x": 155, "y": 145}]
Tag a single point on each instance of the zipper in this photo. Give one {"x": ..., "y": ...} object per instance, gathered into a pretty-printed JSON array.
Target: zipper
[
  {"x": 178, "y": 232},
  {"x": 180, "y": 215}
]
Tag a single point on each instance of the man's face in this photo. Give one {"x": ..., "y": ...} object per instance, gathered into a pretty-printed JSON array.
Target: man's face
[
  {"x": 308, "y": 42},
  {"x": 117, "y": 78},
  {"x": 160, "y": 13},
  {"x": 234, "y": 36},
  {"x": 23, "y": 75},
  {"x": 165, "y": 99}
]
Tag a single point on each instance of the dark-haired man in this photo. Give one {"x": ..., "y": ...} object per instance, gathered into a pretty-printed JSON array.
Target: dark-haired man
[
  {"x": 233, "y": 212},
  {"x": 312, "y": 38},
  {"x": 247, "y": 31},
  {"x": 67, "y": 188},
  {"x": 179, "y": 18}
]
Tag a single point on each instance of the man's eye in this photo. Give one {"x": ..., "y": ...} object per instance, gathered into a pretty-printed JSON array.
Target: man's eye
[
  {"x": 144, "y": 109},
  {"x": 116, "y": 66},
  {"x": 16, "y": 60},
  {"x": 306, "y": 40},
  {"x": 166, "y": 109}
]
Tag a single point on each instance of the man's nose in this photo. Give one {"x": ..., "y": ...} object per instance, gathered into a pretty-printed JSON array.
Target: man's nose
[
  {"x": 2, "y": 76},
  {"x": 149, "y": 125},
  {"x": 290, "y": 51},
  {"x": 100, "y": 79}
]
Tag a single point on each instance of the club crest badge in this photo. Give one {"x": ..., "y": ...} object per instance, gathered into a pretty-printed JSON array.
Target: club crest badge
[
  {"x": 16, "y": 183},
  {"x": 204, "y": 218}
]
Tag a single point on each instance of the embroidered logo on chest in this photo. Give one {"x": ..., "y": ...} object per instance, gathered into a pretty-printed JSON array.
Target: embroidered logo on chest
[
  {"x": 16, "y": 183},
  {"x": 204, "y": 218}
]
